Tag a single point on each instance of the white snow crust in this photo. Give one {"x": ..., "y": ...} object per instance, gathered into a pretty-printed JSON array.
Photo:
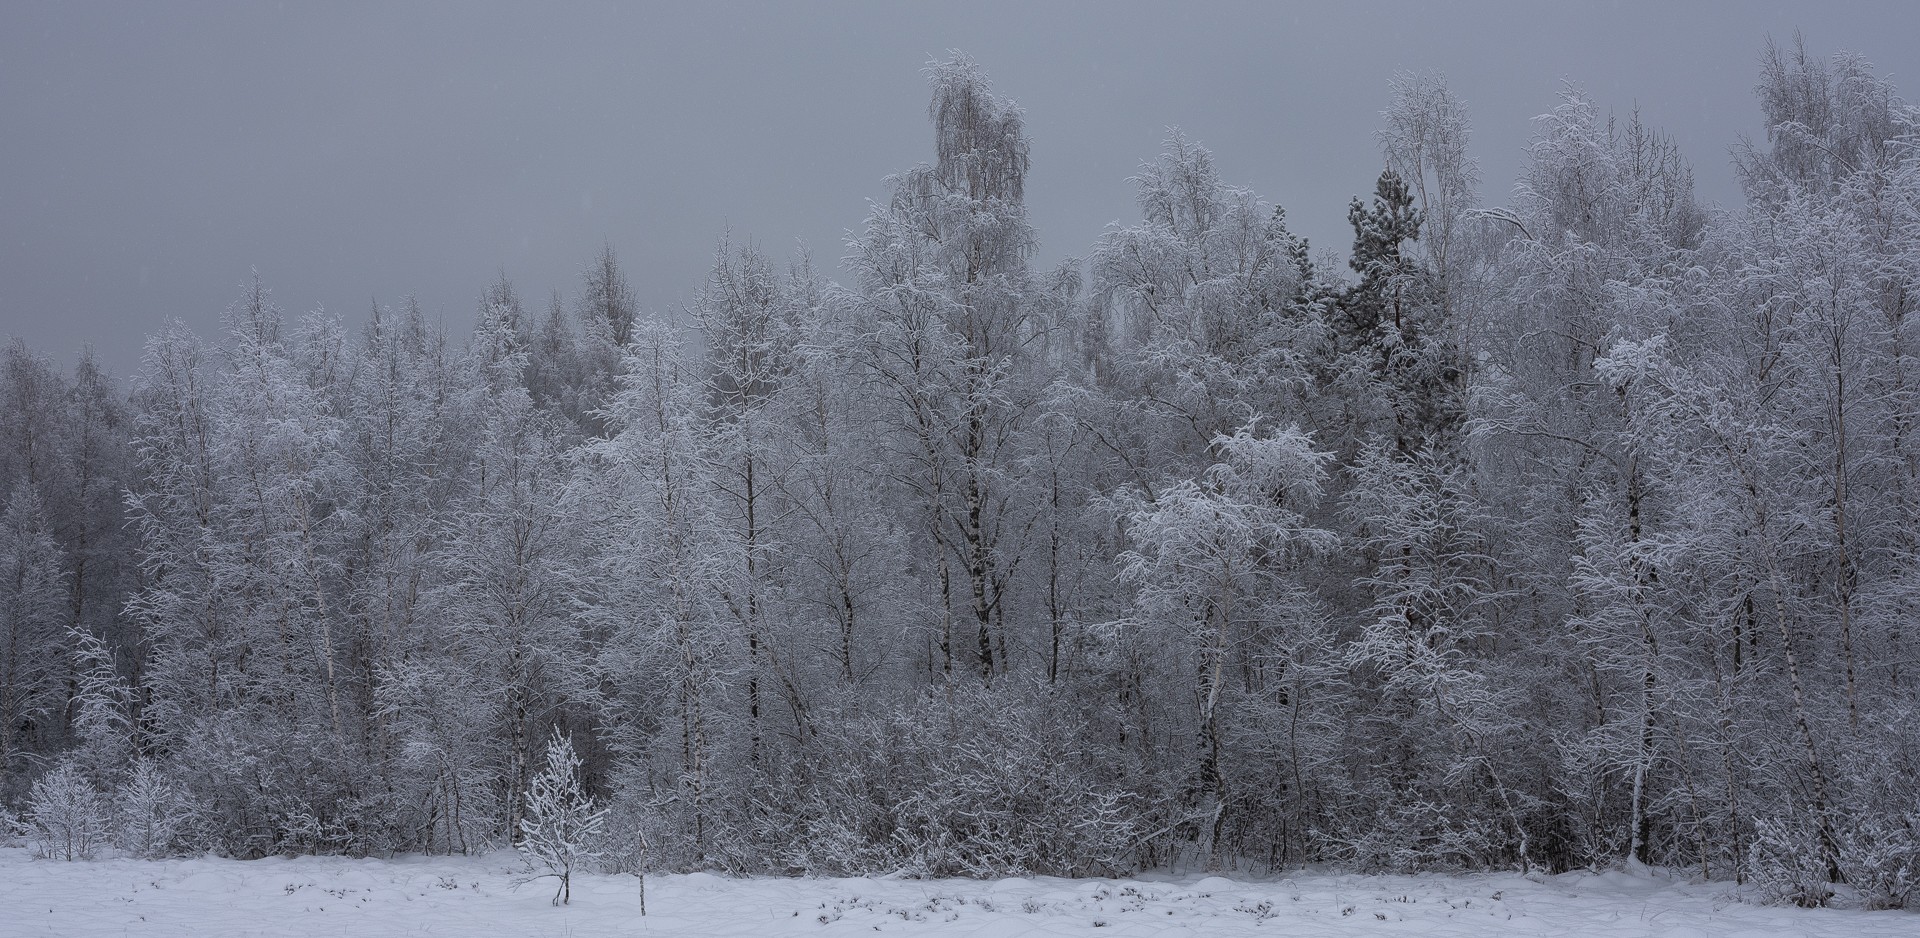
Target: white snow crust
[{"x": 476, "y": 896}]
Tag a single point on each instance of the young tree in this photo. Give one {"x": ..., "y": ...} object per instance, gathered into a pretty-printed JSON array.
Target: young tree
[
  {"x": 150, "y": 812},
  {"x": 562, "y": 823},
  {"x": 66, "y": 814}
]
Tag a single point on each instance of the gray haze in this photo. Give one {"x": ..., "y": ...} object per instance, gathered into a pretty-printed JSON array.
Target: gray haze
[{"x": 151, "y": 155}]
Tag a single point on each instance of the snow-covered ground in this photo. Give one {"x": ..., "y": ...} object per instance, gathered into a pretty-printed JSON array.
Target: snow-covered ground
[{"x": 476, "y": 896}]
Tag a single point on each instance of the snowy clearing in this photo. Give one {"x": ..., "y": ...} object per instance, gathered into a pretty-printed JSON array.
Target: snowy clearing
[{"x": 476, "y": 896}]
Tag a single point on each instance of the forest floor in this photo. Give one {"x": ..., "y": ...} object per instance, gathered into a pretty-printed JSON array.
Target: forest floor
[{"x": 476, "y": 896}]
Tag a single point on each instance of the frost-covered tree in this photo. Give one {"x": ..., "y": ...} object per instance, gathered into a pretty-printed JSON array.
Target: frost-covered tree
[
  {"x": 32, "y": 617},
  {"x": 562, "y": 825},
  {"x": 1395, "y": 343},
  {"x": 749, "y": 324},
  {"x": 672, "y": 653},
  {"x": 66, "y": 815},
  {"x": 1202, "y": 315},
  {"x": 150, "y": 813},
  {"x": 1425, "y": 143},
  {"x": 953, "y": 309},
  {"x": 507, "y": 574},
  {"x": 1213, "y": 561},
  {"x": 1452, "y": 723}
]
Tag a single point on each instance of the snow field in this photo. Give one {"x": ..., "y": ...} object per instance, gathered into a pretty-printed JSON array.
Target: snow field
[{"x": 476, "y": 896}]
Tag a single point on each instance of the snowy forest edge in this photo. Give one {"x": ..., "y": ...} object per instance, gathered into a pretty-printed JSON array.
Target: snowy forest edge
[{"x": 1577, "y": 531}]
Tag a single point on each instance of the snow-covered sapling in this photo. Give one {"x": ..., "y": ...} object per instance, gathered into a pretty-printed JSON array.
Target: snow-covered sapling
[
  {"x": 150, "y": 812},
  {"x": 66, "y": 814},
  {"x": 562, "y": 823}
]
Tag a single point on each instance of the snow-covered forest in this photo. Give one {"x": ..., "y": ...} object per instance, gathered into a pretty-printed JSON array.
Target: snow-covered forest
[{"x": 1577, "y": 530}]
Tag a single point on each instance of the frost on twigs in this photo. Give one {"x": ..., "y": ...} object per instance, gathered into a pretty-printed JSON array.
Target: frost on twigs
[
  {"x": 66, "y": 815},
  {"x": 562, "y": 823},
  {"x": 151, "y": 812}
]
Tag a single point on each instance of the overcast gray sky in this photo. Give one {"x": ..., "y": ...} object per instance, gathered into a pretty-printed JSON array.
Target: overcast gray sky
[{"x": 152, "y": 154}]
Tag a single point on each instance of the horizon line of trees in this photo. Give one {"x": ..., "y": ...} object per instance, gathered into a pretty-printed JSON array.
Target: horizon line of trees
[{"x": 1578, "y": 531}]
